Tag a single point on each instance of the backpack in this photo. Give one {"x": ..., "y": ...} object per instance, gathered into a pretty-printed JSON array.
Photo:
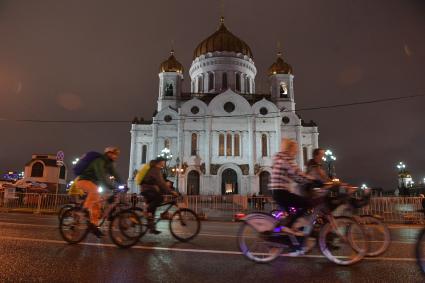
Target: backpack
[
  {"x": 141, "y": 173},
  {"x": 85, "y": 161}
]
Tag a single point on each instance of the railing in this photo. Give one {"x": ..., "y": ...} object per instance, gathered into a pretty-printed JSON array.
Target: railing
[{"x": 224, "y": 207}]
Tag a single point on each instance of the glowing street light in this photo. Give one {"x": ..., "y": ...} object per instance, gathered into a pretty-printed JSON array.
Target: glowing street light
[
  {"x": 363, "y": 187},
  {"x": 75, "y": 161},
  {"x": 329, "y": 158},
  {"x": 401, "y": 166}
]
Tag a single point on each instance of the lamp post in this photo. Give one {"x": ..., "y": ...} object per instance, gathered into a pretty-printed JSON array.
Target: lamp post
[
  {"x": 363, "y": 187},
  {"x": 166, "y": 154},
  {"x": 177, "y": 171},
  {"x": 329, "y": 158},
  {"x": 401, "y": 180}
]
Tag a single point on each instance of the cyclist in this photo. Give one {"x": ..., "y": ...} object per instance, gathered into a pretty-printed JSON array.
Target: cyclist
[
  {"x": 153, "y": 188},
  {"x": 285, "y": 173},
  {"x": 315, "y": 166},
  {"x": 98, "y": 173}
]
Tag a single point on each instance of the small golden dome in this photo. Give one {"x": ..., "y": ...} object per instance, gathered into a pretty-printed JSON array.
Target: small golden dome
[
  {"x": 222, "y": 40},
  {"x": 171, "y": 64},
  {"x": 280, "y": 66}
]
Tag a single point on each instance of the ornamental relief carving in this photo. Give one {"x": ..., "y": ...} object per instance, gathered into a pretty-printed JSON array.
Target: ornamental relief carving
[
  {"x": 214, "y": 168},
  {"x": 244, "y": 168}
]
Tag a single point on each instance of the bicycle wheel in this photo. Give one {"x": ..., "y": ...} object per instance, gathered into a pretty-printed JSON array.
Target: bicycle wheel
[
  {"x": 255, "y": 239},
  {"x": 125, "y": 228},
  {"x": 184, "y": 224},
  {"x": 420, "y": 250},
  {"x": 141, "y": 214},
  {"x": 74, "y": 225},
  {"x": 377, "y": 233},
  {"x": 345, "y": 243},
  {"x": 63, "y": 209}
]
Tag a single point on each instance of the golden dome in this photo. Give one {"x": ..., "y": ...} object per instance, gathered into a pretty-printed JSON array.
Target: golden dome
[
  {"x": 280, "y": 66},
  {"x": 222, "y": 40},
  {"x": 171, "y": 64}
]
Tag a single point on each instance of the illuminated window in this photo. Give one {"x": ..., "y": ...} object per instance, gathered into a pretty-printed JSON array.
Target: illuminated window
[
  {"x": 229, "y": 145},
  {"x": 167, "y": 143},
  {"x": 283, "y": 90},
  {"x": 221, "y": 144},
  {"x": 194, "y": 145},
  {"x": 236, "y": 141},
  {"x": 263, "y": 145},
  {"x": 37, "y": 170}
]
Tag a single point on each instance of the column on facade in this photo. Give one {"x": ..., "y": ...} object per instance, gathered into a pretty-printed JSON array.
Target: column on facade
[
  {"x": 315, "y": 139},
  {"x": 300, "y": 160},
  {"x": 154, "y": 138},
  {"x": 132, "y": 158},
  {"x": 208, "y": 136},
  {"x": 278, "y": 130},
  {"x": 252, "y": 144}
]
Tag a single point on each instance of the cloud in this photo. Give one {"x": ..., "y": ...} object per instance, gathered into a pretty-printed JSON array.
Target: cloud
[{"x": 69, "y": 101}]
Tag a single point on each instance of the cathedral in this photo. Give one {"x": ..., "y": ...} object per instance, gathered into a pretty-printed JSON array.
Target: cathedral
[{"x": 221, "y": 136}]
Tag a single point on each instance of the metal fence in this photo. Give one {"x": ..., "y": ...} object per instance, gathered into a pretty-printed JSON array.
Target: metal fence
[{"x": 223, "y": 207}]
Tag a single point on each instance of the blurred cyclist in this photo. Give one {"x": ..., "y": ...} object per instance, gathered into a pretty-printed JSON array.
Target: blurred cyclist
[
  {"x": 153, "y": 188},
  {"x": 98, "y": 173},
  {"x": 285, "y": 173},
  {"x": 315, "y": 166}
]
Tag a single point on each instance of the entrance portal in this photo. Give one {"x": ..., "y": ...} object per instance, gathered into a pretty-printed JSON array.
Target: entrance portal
[
  {"x": 193, "y": 183},
  {"x": 229, "y": 182}
]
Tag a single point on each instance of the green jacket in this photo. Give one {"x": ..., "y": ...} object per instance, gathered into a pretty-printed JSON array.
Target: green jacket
[{"x": 99, "y": 171}]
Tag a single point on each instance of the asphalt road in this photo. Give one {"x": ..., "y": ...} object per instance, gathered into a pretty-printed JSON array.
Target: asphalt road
[{"x": 31, "y": 250}]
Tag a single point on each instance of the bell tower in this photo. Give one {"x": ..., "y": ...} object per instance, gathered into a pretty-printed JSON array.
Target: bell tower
[
  {"x": 170, "y": 82},
  {"x": 281, "y": 83}
]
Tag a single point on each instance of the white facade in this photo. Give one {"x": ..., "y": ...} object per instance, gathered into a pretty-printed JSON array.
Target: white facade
[{"x": 221, "y": 133}]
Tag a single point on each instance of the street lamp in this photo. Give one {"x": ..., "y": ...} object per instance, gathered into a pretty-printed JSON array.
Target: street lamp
[
  {"x": 401, "y": 167},
  {"x": 166, "y": 154},
  {"x": 75, "y": 161},
  {"x": 177, "y": 171},
  {"x": 363, "y": 187},
  {"x": 329, "y": 158}
]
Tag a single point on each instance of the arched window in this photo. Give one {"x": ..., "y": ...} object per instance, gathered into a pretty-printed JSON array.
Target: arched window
[
  {"x": 193, "y": 86},
  {"x": 37, "y": 169},
  {"x": 305, "y": 155},
  {"x": 229, "y": 144},
  {"x": 144, "y": 153},
  {"x": 194, "y": 145},
  {"x": 238, "y": 82},
  {"x": 167, "y": 143},
  {"x": 283, "y": 90},
  {"x": 221, "y": 145},
  {"x": 210, "y": 81},
  {"x": 169, "y": 89},
  {"x": 263, "y": 145},
  {"x": 236, "y": 145},
  {"x": 224, "y": 81},
  {"x": 200, "y": 84}
]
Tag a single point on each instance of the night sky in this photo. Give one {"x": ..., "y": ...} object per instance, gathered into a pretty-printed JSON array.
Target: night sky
[{"x": 99, "y": 60}]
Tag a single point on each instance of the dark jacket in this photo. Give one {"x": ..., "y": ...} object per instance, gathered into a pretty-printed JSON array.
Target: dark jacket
[
  {"x": 99, "y": 171},
  {"x": 154, "y": 179}
]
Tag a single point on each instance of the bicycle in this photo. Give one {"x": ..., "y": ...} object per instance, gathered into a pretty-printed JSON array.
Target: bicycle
[
  {"x": 78, "y": 201},
  {"x": 341, "y": 239},
  {"x": 376, "y": 231},
  {"x": 125, "y": 227},
  {"x": 184, "y": 223}
]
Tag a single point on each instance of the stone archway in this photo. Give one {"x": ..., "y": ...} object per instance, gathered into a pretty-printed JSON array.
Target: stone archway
[
  {"x": 229, "y": 182},
  {"x": 193, "y": 182},
  {"x": 264, "y": 182}
]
